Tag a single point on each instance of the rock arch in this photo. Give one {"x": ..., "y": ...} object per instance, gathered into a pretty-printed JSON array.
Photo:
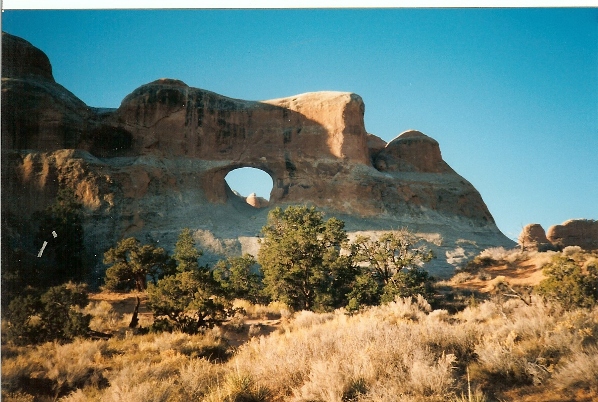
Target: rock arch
[
  {"x": 252, "y": 184},
  {"x": 217, "y": 189}
]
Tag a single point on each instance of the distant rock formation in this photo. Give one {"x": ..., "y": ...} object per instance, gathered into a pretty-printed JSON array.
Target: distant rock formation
[
  {"x": 158, "y": 163},
  {"x": 533, "y": 237},
  {"x": 575, "y": 232},
  {"x": 255, "y": 201}
]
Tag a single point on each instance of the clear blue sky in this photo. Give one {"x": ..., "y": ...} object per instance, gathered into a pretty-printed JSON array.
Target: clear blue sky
[{"x": 511, "y": 95}]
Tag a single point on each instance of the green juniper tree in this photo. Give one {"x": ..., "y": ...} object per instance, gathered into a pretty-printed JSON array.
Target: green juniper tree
[
  {"x": 191, "y": 298},
  {"x": 240, "y": 278},
  {"x": 55, "y": 315},
  {"x": 132, "y": 263},
  {"x": 568, "y": 284},
  {"x": 302, "y": 261},
  {"x": 393, "y": 262}
]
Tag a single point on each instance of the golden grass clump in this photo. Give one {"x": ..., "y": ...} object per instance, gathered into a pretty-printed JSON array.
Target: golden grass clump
[{"x": 274, "y": 310}]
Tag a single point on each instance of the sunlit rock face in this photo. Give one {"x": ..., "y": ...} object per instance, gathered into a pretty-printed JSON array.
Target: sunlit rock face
[
  {"x": 533, "y": 237},
  {"x": 575, "y": 232},
  {"x": 412, "y": 151},
  {"x": 158, "y": 163},
  {"x": 256, "y": 202}
]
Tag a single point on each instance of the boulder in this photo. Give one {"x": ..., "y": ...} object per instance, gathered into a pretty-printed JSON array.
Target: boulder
[
  {"x": 533, "y": 237},
  {"x": 575, "y": 232},
  {"x": 255, "y": 201}
]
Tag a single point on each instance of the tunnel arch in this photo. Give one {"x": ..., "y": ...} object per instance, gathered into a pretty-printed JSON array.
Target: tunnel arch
[{"x": 253, "y": 184}]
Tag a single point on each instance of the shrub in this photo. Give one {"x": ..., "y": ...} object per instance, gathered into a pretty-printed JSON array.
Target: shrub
[
  {"x": 55, "y": 315},
  {"x": 191, "y": 299},
  {"x": 240, "y": 388},
  {"x": 568, "y": 285},
  {"x": 579, "y": 371},
  {"x": 408, "y": 283},
  {"x": 185, "y": 302},
  {"x": 240, "y": 278},
  {"x": 131, "y": 264},
  {"x": 302, "y": 261}
]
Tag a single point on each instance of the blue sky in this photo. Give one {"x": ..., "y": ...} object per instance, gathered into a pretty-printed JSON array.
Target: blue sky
[{"x": 511, "y": 95}]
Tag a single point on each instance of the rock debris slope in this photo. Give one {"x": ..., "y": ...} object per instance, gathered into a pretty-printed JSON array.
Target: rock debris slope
[{"x": 158, "y": 163}]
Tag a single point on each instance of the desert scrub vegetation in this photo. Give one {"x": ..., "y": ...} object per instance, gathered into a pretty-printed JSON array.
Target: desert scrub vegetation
[
  {"x": 569, "y": 283},
  {"x": 135, "y": 368},
  {"x": 401, "y": 351}
]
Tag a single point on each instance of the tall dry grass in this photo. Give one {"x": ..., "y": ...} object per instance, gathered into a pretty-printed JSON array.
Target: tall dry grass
[{"x": 402, "y": 351}]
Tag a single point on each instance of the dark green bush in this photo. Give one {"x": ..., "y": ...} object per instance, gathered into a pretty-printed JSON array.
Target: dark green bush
[{"x": 55, "y": 315}]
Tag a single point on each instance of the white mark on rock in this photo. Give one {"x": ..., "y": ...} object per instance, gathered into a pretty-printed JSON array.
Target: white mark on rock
[{"x": 42, "y": 250}]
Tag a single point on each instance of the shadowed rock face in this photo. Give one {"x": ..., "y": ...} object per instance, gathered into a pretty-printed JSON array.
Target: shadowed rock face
[
  {"x": 21, "y": 59},
  {"x": 158, "y": 162},
  {"x": 37, "y": 113}
]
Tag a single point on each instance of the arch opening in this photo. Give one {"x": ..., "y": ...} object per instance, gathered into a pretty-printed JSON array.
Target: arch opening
[{"x": 252, "y": 184}]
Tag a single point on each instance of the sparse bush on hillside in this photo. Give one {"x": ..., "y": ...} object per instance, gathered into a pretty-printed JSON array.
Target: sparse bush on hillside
[
  {"x": 570, "y": 251},
  {"x": 391, "y": 267},
  {"x": 494, "y": 256}
]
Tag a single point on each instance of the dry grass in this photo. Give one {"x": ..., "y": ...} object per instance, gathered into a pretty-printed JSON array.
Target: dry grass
[
  {"x": 274, "y": 310},
  {"x": 495, "y": 349},
  {"x": 403, "y": 351}
]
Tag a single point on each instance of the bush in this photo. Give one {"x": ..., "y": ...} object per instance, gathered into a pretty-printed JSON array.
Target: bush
[
  {"x": 302, "y": 261},
  {"x": 240, "y": 278},
  {"x": 567, "y": 284},
  {"x": 55, "y": 315},
  {"x": 408, "y": 283},
  {"x": 132, "y": 263},
  {"x": 184, "y": 302}
]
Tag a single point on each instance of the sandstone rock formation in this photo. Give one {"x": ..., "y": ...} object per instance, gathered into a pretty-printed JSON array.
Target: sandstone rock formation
[
  {"x": 38, "y": 113},
  {"x": 158, "y": 162},
  {"x": 533, "y": 237},
  {"x": 255, "y": 201},
  {"x": 412, "y": 151},
  {"x": 575, "y": 232}
]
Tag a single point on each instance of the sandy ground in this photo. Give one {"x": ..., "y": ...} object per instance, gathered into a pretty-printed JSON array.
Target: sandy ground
[{"x": 527, "y": 272}]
